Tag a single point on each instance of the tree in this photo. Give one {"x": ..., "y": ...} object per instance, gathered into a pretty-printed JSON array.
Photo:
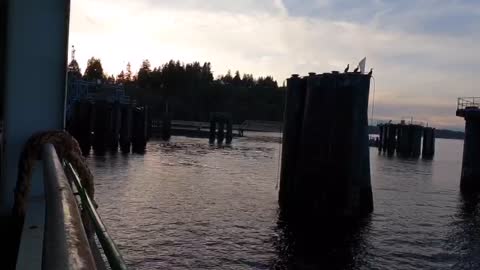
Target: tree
[
  {"x": 74, "y": 70},
  {"x": 237, "y": 81},
  {"x": 227, "y": 78},
  {"x": 128, "y": 74},
  {"x": 144, "y": 73},
  {"x": 94, "y": 70},
  {"x": 121, "y": 77}
]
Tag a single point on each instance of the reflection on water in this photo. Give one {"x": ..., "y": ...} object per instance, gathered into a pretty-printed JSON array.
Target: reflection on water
[{"x": 189, "y": 205}]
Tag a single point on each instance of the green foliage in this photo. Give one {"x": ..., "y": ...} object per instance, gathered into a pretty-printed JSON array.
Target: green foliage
[{"x": 94, "y": 70}]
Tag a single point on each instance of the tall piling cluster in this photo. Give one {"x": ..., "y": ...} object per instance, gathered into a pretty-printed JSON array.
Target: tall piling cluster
[
  {"x": 221, "y": 127},
  {"x": 469, "y": 109},
  {"x": 106, "y": 126},
  {"x": 325, "y": 169},
  {"x": 406, "y": 140}
]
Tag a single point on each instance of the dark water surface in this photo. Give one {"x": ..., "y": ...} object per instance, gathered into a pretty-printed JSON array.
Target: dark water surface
[{"x": 187, "y": 205}]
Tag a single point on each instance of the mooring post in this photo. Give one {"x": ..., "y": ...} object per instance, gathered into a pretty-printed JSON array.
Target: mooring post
[
  {"x": 292, "y": 125},
  {"x": 139, "y": 130},
  {"x": 126, "y": 128},
  {"x": 212, "y": 128},
  {"x": 380, "y": 137},
  {"x": 100, "y": 126},
  {"x": 392, "y": 139},
  {"x": 470, "y": 111},
  {"x": 229, "y": 136},
  {"x": 417, "y": 141},
  {"x": 403, "y": 140},
  {"x": 81, "y": 128},
  {"x": 115, "y": 128},
  {"x": 333, "y": 148},
  {"x": 221, "y": 130},
  {"x": 166, "y": 126},
  {"x": 428, "y": 150}
]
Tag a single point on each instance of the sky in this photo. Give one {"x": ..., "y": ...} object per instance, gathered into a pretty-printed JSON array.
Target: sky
[{"x": 424, "y": 52}]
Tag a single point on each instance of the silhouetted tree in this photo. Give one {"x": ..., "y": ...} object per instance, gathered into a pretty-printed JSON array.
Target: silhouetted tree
[
  {"x": 237, "y": 81},
  {"x": 121, "y": 77},
  {"x": 143, "y": 75},
  {"x": 190, "y": 92},
  {"x": 111, "y": 79},
  {"x": 74, "y": 70},
  {"x": 128, "y": 73},
  {"x": 94, "y": 70}
]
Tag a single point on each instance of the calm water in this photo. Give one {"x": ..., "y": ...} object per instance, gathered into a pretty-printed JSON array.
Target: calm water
[{"x": 187, "y": 205}]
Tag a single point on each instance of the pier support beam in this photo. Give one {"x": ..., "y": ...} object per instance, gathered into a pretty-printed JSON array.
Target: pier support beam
[
  {"x": 80, "y": 125},
  {"x": 381, "y": 135},
  {"x": 292, "y": 126},
  {"x": 166, "y": 126},
  {"x": 417, "y": 140},
  {"x": 139, "y": 130},
  {"x": 392, "y": 139},
  {"x": 330, "y": 175},
  {"x": 37, "y": 35},
  {"x": 229, "y": 136},
  {"x": 126, "y": 129},
  {"x": 221, "y": 130},
  {"x": 471, "y": 150},
  {"x": 101, "y": 125},
  {"x": 428, "y": 150}
]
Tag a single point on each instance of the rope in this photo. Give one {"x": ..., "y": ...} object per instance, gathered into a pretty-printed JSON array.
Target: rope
[{"x": 67, "y": 149}]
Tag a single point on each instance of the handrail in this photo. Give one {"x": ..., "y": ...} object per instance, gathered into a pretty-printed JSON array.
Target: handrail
[
  {"x": 65, "y": 242},
  {"x": 112, "y": 252},
  {"x": 465, "y": 102}
]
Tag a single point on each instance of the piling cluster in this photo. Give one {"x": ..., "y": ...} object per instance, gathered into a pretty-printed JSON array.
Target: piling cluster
[
  {"x": 325, "y": 169},
  {"x": 105, "y": 126},
  {"x": 469, "y": 109},
  {"x": 221, "y": 128},
  {"x": 406, "y": 140}
]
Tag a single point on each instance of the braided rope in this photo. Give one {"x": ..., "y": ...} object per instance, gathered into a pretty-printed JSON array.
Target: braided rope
[{"x": 67, "y": 149}]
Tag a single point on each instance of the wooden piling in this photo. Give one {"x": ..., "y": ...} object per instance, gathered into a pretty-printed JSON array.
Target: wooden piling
[
  {"x": 139, "y": 130},
  {"x": 125, "y": 129},
  {"x": 80, "y": 125},
  {"x": 470, "y": 181},
  {"x": 221, "y": 130},
  {"x": 292, "y": 126},
  {"x": 166, "y": 126},
  {"x": 332, "y": 168},
  {"x": 101, "y": 118},
  {"x": 229, "y": 136},
  {"x": 428, "y": 150}
]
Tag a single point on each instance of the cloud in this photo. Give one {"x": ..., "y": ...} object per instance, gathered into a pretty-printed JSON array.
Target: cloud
[{"x": 417, "y": 69}]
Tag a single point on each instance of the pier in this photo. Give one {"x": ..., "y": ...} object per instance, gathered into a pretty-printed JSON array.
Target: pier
[
  {"x": 102, "y": 117},
  {"x": 325, "y": 171},
  {"x": 469, "y": 109},
  {"x": 409, "y": 140}
]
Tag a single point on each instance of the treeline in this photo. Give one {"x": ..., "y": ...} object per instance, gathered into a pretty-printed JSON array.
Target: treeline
[{"x": 190, "y": 92}]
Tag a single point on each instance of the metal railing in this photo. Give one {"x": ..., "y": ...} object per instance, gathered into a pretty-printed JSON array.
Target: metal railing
[
  {"x": 403, "y": 121},
  {"x": 112, "y": 253},
  {"x": 65, "y": 242},
  {"x": 468, "y": 102}
]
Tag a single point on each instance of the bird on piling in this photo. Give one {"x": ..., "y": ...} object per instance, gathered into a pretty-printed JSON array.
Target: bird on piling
[
  {"x": 346, "y": 69},
  {"x": 371, "y": 72},
  {"x": 356, "y": 70}
]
